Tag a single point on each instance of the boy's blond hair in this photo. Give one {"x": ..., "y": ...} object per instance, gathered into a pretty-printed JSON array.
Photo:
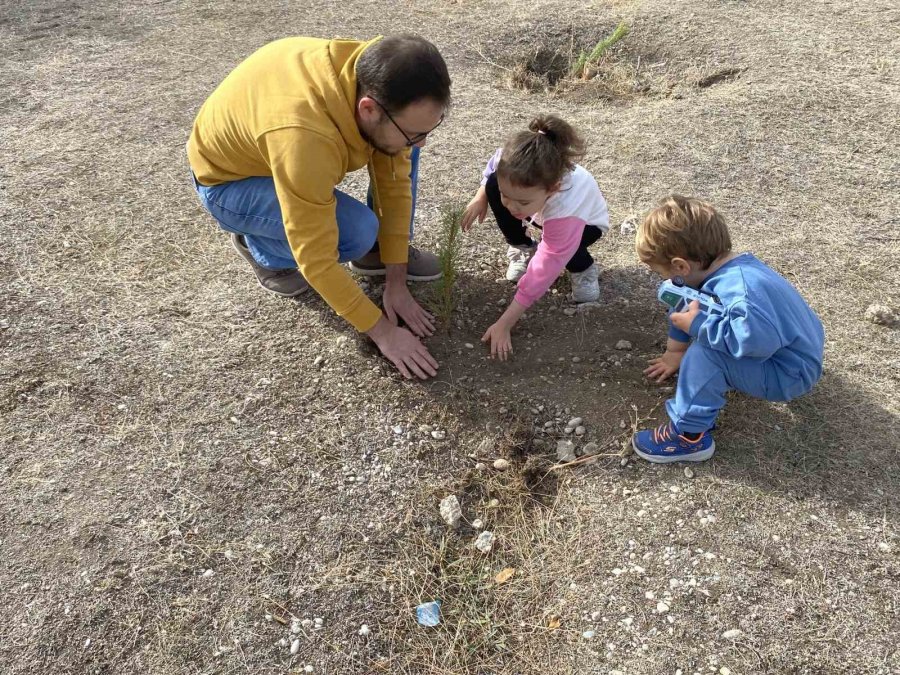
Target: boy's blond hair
[{"x": 682, "y": 227}]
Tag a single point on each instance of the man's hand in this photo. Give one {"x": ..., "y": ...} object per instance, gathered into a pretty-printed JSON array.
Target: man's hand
[
  {"x": 665, "y": 366},
  {"x": 500, "y": 340},
  {"x": 403, "y": 349},
  {"x": 683, "y": 320},
  {"x": 398, "y": 301},
  {"x": 476, "y": 210}
]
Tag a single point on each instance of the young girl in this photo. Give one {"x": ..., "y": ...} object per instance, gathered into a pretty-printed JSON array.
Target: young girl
[{"x": 534, "y": 178}]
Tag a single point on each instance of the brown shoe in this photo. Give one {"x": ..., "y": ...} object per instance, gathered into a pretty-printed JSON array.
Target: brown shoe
[
  {"x": 287, "y": 283},
  {"x": 420, "y": 266}
]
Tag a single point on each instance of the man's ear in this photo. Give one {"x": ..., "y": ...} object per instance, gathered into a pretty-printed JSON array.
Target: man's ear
[{"x": 367, "y": 109}]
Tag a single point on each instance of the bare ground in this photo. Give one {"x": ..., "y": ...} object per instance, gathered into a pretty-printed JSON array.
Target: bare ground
[{"x": 163, "y": 418}]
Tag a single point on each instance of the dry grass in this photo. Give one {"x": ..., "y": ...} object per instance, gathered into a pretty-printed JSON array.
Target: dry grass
[{"x": 162, "y": 417}]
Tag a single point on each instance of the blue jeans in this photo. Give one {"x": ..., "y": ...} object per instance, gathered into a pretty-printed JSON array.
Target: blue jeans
[
  {"x": 250, "y": 207},
  {"x": 706, "y": 375}
]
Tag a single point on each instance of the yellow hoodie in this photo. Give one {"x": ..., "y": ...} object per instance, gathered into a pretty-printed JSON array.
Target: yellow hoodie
[{"x": 288, "y": 111}]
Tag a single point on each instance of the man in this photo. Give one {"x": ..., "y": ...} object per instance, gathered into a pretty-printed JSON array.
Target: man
[{"x": 278, "y": 135}]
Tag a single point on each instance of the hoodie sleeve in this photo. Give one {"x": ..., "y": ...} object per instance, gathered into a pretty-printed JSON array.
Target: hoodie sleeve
[
  {"x": 676, "y": 333},
  {"x": 305, "y": 168},
  {"x": 491, "y": 166},
  {"x": 392, "y": 193},
  {"x": 559, "y": 242},
  {"x": 743, "y": 331}
]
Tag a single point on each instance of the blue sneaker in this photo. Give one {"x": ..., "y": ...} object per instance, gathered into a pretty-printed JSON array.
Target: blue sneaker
[{"x": 664, "y": 444}]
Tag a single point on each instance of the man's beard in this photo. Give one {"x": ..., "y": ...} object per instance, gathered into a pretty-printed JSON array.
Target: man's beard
[{"x": 371, "y": 141}]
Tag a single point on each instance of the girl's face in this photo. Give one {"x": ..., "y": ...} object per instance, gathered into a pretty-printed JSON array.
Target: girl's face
[{"x": 522, "y": 202}]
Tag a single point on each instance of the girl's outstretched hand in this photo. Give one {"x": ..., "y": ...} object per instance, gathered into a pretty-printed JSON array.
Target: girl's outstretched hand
[
  {"x": 500, "y": 340},
  {"x": 476, "y": 210}
]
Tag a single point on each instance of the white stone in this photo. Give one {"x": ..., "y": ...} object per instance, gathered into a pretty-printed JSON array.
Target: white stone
[
  {"x": 308, "y": 668},
  {"x": 295, "y": 646},
  {"x": 307, "y": 623},
  {"x": 628, "y": 226},
  {"x": 450, "y": 510},
  {"x": 478, "y": 523},
  {"x": 569, "y": 311},
  {"x": 208, "y": 573},
  {"x": 688, "y": 472},
  {"x": 501, "y": 464},
  {"x": 732, "y": 634},
  {"x": 588, "y": 634},
  {"x": 580, "y": 431},
  {"x": 438, "y": 434},
  {"x": 881, "y": 315},
  {"x": 574, "y": 422},
  {"x": 662, "y": 607},
  {"x": 318, "y": 360},
  {"x": 565, "y": 451},
  {"x": 596, "y": 616},
  {"x": 485, "y": 541},
  {"x": 398, "y": 430},
  {"x": 623, "y": 344},
  {"x": 469, "y": 345},
  {"x": 590, "y": 449},
  {"x": 884, "y": 546},
  {"x": 364, "y": 630},
  {"x": 623, "y": 461},
  {"x": 480, "y": 466}
]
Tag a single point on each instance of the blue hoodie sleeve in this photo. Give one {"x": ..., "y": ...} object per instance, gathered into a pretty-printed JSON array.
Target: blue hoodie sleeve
[{"x": 743, "y": 331}]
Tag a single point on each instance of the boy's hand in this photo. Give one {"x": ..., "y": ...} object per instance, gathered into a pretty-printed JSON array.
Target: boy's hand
[
  {"x": 683, "y": 320},
  {"x": 498, "y": 335},
  {"x": 664, "y": 367},
  {"x": 476, "y": 210}
]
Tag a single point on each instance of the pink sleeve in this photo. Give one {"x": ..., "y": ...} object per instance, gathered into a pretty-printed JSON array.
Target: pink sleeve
[
  {"x": 491, "y": 166},
  {"x": 558, "y": 244}
]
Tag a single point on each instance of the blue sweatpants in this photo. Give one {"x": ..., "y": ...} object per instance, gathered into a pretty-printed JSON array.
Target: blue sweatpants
[
  {"x": 707, "y": 374},
  {"x": 250, "y": 207}
]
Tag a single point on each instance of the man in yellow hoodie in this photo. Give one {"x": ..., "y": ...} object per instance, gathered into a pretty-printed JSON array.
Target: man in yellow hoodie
[{"x": 273, "y": 141}]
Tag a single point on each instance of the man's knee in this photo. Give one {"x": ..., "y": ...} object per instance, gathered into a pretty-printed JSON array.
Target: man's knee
[{"x": 359, "y": 238}]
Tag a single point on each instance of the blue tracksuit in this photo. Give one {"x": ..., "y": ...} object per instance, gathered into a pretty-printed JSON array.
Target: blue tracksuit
[{"x": 767, "y": 344}]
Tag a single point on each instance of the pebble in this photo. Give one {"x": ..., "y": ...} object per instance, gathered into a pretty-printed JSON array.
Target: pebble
[
  {"x": 485, "y": 541},
  {"x": 480, "y": 466},
  {"x": 364, "y": 630},
  {"x": 623, "y": 344},
  {"x": 565, "y": 451},
  {"x": 438, "y": 434},
  {"x": 319, "y": 622},
  {"x": 881, "y": 315},
  {"x": 208, "y": 573},
  {"x": 590, "y": 449},
  {"x": 494, "y": 503},
  {"x": 596, "y": 616},
  {"x": 450, "y": 510},
  {"x": 318, "y": 360},
  {"x": 576, "y": 359},
  {"x": 478, "y": 523},
  {"x": 295, "y": 646},
  {"x": 308, "y": 669},
  {"x": 574, "y": 422},
  {"x": 884, "y": 546},
  {"x": 398, "y": 430},
  {"x": 732, "y": 634},
  {"x": 341, "y": 340},
  {"x": 623, "y": 461},
  {"x": 469, "y": 345},
  {"x": 588, "y": 634},
  {"x": 569, "y": 311},
  {"x": 501, "y": 464},
  {"x": 306, "y": 623},
  {"x": 295, "y": 625},
  {"x": 628, "y": 226},
  {"x": 580, "y": 431},
  {"x": 688, "y": 472},
  {"x": 662, "y": 607}
]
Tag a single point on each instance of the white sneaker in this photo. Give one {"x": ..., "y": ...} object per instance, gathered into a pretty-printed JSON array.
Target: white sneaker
[
  {"x": 518, "y": 261},
  {"x": 585, "y": 287}
]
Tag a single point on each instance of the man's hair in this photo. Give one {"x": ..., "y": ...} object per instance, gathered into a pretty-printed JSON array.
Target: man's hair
[
  {"x": 682, "y": 227},
  {"x": 402, "y": 69},
  {"x": 541, "y": 156}
]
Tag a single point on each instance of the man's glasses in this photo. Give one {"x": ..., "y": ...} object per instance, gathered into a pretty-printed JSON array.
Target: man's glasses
[{"x": 410, "y": 140}]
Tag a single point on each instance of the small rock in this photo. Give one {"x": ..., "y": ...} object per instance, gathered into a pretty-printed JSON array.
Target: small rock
[
  {"x": 574, "y": 422},
  {"x": 365, "y": 631},
  {"x": 308, "y": 668},
  {"x": 307, "y": 623},
  {"x": 881, "y": 315},
  {"x": 438, "y": 434},
  {"x": 478, "y": 523},
  {"x": 688, "y": 472},
  {"x": 295, "y": 646},
  {"x": 628, "y": 226},
  {"x": 319, "y": 360},
  {"x": 623, "y": 461},
  {"x": 319, "y": 622},
  {"x": 208, "y": 573},
  {"x": 485, "y": 541},
  {"x": 596, "y": 616},
  {"x": 588, "y": 634},
  {"x": 569, "y": 311},
  {"x": 501, "y": 464},
  {"x": 732, "y": 634},
  {"x": 580, "y": 431},
  {"x": 662, "y": 607},
  {"x": 576, "y": 359},
  {"x": 565, "y": 451},
  {"x": 398, "y": 430},
  {"x": 341, "y": 340},
  {"x": 480, "y": 466},
  {"x": 469, "y": 345},
  {"x": 450, "y": 510},
  {"x": 494, "y": 503},
  {"x": 884, "y": 546},
  {"x": 590, "y": 449},
  {"x": 623, "y": 344}
]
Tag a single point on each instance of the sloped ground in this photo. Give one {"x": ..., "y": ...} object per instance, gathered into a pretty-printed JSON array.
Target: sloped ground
[{"x": 180, "y": 480}]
